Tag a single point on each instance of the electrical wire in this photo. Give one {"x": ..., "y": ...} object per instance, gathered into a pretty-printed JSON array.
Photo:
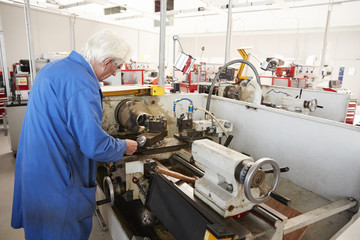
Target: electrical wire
[
  {"x": 272, "y": 90},
  {"x": 213, "y": 117}
]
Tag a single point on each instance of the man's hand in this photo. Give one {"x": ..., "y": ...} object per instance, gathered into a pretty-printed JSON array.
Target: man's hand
[{"x": 131, "y": 146}]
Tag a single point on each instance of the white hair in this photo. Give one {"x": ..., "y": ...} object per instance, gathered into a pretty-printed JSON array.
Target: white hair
[{"x": 106, "y": 44}]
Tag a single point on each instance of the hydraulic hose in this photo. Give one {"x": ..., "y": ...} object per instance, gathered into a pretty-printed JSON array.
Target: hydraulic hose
[
  {"x": 222, "y": 69},
  {"x": 179, "y": 100}
]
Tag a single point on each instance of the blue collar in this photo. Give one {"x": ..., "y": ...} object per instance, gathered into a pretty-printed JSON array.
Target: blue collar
[{"x": 80, "y": 59}]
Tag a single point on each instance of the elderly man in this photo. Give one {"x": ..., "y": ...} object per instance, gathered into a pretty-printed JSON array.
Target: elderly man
[{"x": 61, "y": 141}]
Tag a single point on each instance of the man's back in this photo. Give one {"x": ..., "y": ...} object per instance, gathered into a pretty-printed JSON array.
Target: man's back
[{"x": 55, "y": 174}]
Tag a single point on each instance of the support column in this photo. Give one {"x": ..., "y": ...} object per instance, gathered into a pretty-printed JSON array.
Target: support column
[
  {"x": 228, "y": 33},
  {"x": 162, "y": 43},
  {"x": 323, "y": 54},
  {"x": 30, "y": 41}
]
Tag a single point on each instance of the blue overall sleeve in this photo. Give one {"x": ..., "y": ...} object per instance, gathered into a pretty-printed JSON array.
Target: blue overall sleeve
[{"x": 84, "y": 114}]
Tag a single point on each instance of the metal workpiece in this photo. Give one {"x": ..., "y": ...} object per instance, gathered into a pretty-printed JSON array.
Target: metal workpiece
[{"x": 131, "y": 115}]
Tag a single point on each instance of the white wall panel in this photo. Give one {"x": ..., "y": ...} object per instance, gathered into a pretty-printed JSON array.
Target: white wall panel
[
  {"x": 149, "y": 46},
  {"x": 86, "y": 28},
  {"x": 52, "y": 32},
  {"x": 13, "y": 21}
]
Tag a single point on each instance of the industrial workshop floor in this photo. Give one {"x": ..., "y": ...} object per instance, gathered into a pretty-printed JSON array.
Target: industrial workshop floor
[{"x": 7, "y": 166}]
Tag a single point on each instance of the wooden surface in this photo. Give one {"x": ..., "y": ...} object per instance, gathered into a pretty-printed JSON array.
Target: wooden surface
[{"x": 289, "y": 213}]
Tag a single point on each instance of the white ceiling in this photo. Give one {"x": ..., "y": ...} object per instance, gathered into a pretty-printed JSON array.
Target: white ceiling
[{"x": 210, "y": 16}]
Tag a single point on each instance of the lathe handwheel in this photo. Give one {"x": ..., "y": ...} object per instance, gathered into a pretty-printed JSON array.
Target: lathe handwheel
[
  {"x": 108, "y": 189},
  {"x": 255, "y": 167}
]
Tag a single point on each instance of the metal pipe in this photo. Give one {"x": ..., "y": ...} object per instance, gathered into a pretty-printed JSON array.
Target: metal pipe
[
  {"x": 173, "y": 68},
  {"x": 30, "y": 41},
  {"x": 228, "y": 33},
  {"x": 4, "y": 65},
  {"x": 72, "y": 27},
  {"x": 323, "y": 54},
  {"x": 162, "y": 43}
]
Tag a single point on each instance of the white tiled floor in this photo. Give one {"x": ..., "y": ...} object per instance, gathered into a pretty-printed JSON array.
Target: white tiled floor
[{"x": 7, "y": 166}]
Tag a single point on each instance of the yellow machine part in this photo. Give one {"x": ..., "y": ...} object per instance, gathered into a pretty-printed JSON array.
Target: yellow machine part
[
  {"x": 156, "y": 90},
  {"x": 245, "y": 56},
  {"x": 127, "y": 92},
  {"x": 210, "y": 236}
]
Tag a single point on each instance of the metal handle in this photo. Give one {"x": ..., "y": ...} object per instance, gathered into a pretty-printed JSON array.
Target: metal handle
[
  {"x": 228, "y": 140},
  {"x": 108, "y": 191},
  {"x": 280, "y": 198},
  {"x": 283, "y": 169},
  {"x": 252, "y": 172}
]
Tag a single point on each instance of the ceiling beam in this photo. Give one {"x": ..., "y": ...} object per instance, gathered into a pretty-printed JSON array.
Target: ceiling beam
[{"x": 76, "y": 4}]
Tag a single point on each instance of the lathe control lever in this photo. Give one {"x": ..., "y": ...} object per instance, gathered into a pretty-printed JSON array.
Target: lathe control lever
[
  {"x": 283, "y": 169},
  {"x": 141, "y": 141},
  {"x": 280, "y": 198},
  {"x": 108, "y": 191}
]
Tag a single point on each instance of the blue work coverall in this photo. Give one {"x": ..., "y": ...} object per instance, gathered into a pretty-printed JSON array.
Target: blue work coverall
[{"x": 61, "y": 140}]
